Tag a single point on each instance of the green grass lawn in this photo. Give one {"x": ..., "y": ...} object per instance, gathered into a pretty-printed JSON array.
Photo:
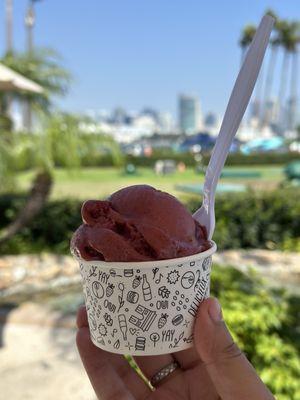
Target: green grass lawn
[{"x": 100, "y": 182}]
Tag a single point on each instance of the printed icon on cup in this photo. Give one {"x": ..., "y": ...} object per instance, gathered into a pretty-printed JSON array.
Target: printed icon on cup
[
  {"x": 154, "y": 337},
  {"x": 155, "y": 271},
  {"x": 187, "y": 280},
  {"x": 136, "y": 282},
  {"x": 100, "y": 340},
  {"x": 162, "y": 304},
  {"x": 200, "y": 295},
  {"x": 177, "y": 319},
  {"x": 176, "y": 341},
  {"x": 164, "y": 292},
  {"x": 92, "y": 271},
  {"x": 108, "y": 319},
  {"x": 117, "y": 344},
  {"x": 140, "y": 343},
  {"x": 145, "y": 319},
  {"x": 179, "y": 301},
  {"x": 110, "y": 306},
  {"x": 162, "y": 321},
  {"x": 189, "y": 339},
  {"x": 206, "y": 263},
  {"x": 132, "y": 297},
  {"x": 93, "y": 323},
  {"x": 173, "y": 277},
  {"x": 128, "y": 273},
  {"x": 157, "y": 281},
  {"x": 128, "y": 345},
  {"x": 134, "y": 331},
  {"x": 113, "y": 273},
  {"x": 146, "y": 289},
  {"x": 186, "y": 323},
  {"x": 167, "y": 335},
  {"x": 123, "y": 325},
  {"x": 120, "y": 297},
  {"x": 110, "y": 289},
  {"x": 114, "y": 332},
  {"x": 97, "y": 289},
  {"x": 102, "y": 330}
]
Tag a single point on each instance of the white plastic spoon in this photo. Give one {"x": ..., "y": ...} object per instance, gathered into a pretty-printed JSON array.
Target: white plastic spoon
[{"x": 235, "y": 110}]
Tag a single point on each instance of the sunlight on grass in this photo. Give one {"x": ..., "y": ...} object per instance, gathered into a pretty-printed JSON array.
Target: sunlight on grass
[{"x": 100, "y": 182}]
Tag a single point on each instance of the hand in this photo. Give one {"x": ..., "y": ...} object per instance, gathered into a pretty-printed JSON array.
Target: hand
[{"x": 214, "y": 369}]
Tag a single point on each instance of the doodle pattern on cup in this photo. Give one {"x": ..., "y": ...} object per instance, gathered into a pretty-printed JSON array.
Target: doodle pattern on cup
[{"x": 132, "y": 311}]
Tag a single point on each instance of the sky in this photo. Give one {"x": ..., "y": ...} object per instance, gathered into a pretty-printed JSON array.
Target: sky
[{"x": 134, "y": 53}]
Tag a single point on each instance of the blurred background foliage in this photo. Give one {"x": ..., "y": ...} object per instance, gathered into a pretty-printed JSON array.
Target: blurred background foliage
[
  {"x": 265, "y": 220},
  {"x": 265, "y": 324}
]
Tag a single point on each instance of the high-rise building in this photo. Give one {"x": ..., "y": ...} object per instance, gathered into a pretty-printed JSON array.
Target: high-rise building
[{"x": 190, "y": 120}]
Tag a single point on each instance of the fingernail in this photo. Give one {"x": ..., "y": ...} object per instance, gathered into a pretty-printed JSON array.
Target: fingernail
[{"x": 215, "y": 311}]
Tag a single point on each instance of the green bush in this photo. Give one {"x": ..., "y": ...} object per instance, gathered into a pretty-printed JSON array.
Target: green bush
[
  {"x": 258, "y": 158},
  {"x": 232, "y": 160},
  {"x": 256, "y": 220},
  {"x": 51, "y": 230},
  {"x": 245, "y": 220},
  {"x": 265, "y": 323}
]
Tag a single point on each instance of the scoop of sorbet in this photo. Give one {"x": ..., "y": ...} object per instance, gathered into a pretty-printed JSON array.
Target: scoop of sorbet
[{"x": 137, "y": 223}]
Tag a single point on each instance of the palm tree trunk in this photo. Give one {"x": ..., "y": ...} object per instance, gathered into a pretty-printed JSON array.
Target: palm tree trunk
[
  {"x": 35, "y": 202},
  {"x": 258, "y": 93},
  {"x": 282, "y": 89},
  {"x": 266, "y": 115},
  {"x": 293, "y": 92}
]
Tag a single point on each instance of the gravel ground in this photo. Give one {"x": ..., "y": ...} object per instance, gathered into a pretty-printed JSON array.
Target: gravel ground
[{"x": 38, "y": 357}]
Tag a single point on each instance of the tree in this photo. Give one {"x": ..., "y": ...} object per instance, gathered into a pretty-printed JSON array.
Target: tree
[
  {"x": 274, "y": 46},
  {"x": 246, "y": 38},
  {"x": 43, "y": 66},
  {"x": 61, "y": 142},
  {"x": 293, "y": 100},
  {"x": 288, "y": 38}
]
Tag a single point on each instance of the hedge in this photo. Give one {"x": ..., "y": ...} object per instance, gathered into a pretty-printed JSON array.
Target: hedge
[
  {"x": 233, "y": 159},
  {"x": 266, "y": 325},
  {"x": 246, "y": 220}
]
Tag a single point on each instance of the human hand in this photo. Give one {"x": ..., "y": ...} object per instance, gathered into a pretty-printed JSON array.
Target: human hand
[{"x": 214, "y": 369}]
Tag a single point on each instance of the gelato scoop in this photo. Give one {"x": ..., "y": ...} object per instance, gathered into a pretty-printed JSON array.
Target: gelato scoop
[{"x": 137, "y": 223}]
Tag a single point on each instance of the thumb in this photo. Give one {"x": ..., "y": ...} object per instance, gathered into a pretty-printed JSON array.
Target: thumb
[{"x": 232, "y": 374}]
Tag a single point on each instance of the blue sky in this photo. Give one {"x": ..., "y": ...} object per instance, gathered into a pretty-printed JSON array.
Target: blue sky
[{"x": 137, "y": 53}]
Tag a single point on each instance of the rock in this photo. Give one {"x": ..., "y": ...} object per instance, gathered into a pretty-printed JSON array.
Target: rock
[
  {"x": 279, "y": 268},
  {"x": 28, "y": 277}
]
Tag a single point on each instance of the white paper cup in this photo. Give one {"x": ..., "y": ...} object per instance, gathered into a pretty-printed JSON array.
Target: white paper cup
[{"x": 145, "y": 308}]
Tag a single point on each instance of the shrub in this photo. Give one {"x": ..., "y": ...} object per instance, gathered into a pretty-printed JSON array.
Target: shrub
[
  {"x": 245, "y": 220},
  {"x": 234, "y": 159},
  {"x": 265, "y": 323},
  {"x": 256, "y": 220}
]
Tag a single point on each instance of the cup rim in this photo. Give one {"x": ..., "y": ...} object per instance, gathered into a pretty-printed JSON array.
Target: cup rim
[{"x": 145, "y": 264}]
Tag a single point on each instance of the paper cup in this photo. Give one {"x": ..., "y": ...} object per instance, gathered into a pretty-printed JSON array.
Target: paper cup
[{"x": 145, "y": 308}]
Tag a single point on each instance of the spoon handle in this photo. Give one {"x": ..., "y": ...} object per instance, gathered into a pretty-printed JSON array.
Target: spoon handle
[{"x": 235, "y": 110}]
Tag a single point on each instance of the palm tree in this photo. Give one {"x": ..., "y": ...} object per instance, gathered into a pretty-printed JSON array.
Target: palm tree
[
  {"x": 244, "y": 42},
  {"x": 288, "y": 36},
  {"x": 292, "y": 103},
  {"x": 274, "y": 46},
  {"x": 42, "y": 66},
  {"x": 246, "y": 39},
  {"x": 61, "y": 142}
]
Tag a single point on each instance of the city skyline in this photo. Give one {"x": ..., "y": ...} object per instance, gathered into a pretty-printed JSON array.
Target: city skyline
[{"x": 135, "y": 55}]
